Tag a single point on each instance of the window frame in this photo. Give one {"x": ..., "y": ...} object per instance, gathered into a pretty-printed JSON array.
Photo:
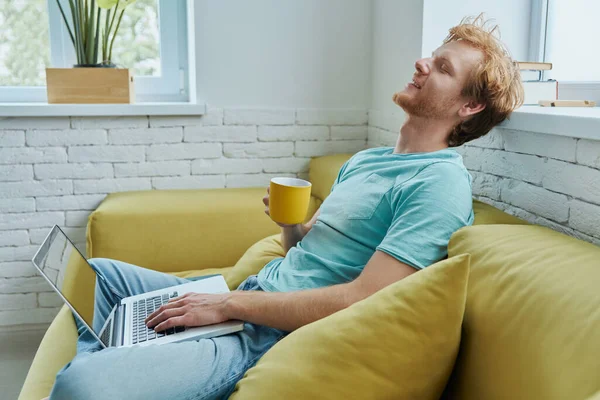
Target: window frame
[
  {"x": 567, "y": 90},
  {"x": 172, "y": 86}
]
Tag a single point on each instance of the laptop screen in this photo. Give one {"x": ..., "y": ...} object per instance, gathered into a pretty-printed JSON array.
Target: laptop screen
[{"x": 56, "y": 255}]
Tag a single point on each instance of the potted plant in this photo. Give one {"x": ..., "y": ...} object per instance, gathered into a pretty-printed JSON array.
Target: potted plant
[{"x": 92, "y": 33}]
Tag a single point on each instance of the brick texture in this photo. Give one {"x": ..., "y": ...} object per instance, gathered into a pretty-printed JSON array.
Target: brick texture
[
  {"x": 258, "y": 150},
  {"x": 289, "y": 133},
  {"x": 70, "y": 137},
  {"x": 145, "y": 135},
  {"x": 259, "y": 117},
  {"x": 588, "y": 153},
  {"x": 551, "y": 146},
  {"x": 238, "y": 134},
  {"x": 10, "y": 138},
  {"x": 331, "y": 117}
]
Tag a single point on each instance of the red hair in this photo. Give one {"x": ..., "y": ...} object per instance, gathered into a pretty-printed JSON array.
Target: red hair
[{"x": 495, "y": 82}]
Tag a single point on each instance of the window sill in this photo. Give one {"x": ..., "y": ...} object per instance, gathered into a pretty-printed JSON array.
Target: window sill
[
  {"x": 577, "y": 122},
  {"x": 89, "y": 110}
]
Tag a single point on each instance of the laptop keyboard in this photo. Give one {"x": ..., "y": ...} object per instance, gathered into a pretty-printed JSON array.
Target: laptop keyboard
[
  {"x": 142, "y": 309},
  {"x": 106, "y": 334}
]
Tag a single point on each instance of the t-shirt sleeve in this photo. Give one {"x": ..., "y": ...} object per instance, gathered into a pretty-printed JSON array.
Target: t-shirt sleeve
[{"x": 427, "y": 210}]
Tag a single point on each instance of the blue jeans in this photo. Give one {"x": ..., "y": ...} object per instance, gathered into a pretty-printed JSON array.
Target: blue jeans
[{"x": 201, "y": 369}]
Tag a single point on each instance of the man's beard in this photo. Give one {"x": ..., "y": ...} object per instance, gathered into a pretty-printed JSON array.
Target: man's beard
[{"x": 422, "y": 107}]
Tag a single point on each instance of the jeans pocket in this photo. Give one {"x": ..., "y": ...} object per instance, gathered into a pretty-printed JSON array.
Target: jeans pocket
[{"x": 250, "y": 283}]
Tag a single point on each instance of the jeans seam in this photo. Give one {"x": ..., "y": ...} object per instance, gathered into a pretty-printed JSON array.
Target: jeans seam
[{"x": 107, "y": 282}]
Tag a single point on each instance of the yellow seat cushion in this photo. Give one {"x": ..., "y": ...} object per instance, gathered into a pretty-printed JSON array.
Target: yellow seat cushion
[
  {"x": 255, "y": 258},
  {"x": 200, "y": 272},
  {"x": 399, "y": 343},
  {"x": 178, "y": 230},
  {"x": 532, "y": 320}
]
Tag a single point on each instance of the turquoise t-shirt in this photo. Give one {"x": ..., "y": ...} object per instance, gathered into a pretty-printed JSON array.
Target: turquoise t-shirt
[{"x": 406, "y": 205}]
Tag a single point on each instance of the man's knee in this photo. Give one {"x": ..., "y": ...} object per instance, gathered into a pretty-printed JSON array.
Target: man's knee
[
  {"x": 108, "y": 268},
  {"x": 77, "y": 380},
  {"x": 101, "y": 263}
]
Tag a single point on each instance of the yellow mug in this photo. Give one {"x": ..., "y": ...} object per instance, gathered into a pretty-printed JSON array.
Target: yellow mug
[{"x": 288, "y": 200}]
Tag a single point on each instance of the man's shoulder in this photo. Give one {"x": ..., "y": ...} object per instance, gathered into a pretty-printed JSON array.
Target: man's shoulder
[
  {"x": 373, "y": 151},
  {"x": 445, "y": 175}
]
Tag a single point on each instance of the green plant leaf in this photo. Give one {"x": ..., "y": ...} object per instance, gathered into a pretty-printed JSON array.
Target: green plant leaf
[
  {"x": 107, "y": 4},
  {"x": 124, "y": 4}
]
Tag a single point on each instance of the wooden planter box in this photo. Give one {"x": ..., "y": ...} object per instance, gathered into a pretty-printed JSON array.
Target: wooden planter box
[{"x": 89, "y": 85}]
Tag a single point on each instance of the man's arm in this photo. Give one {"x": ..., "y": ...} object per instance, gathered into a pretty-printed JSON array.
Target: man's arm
[
  {"x": 292, "y": 234},
  {"x": 286, "y": 311}
]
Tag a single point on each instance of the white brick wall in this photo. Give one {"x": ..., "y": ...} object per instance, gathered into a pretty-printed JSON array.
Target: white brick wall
[
  {"x": 58, "y": 170},
  {"x": 259, "y": 117},
  {"x": 258, "y": 150},
  {"x": 41, "y": 138},
  {"x": 182, "y": 151},
  {"x": 237, "y": 134},
  {"x": 309, "y": 116},
  {"x": 588, "y": 153},
  {"x": 153, "y": 168},
  {"x": 10, "y": 138},
  {"x": 286, "y": 133},
  {"x": 146, "y": 135},
  {"x": 317, "y": 149},
  {"x": 548, "y": 180},
  {"x": 16, "y": 173}
]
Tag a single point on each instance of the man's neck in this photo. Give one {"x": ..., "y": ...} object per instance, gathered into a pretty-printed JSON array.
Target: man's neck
[{"x": 422, "y": 135}]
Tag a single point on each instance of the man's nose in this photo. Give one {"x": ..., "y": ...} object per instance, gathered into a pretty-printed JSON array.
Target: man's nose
[{"x": 422, "y": 66}]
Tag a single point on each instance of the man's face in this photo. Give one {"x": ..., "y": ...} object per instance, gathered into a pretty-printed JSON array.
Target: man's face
[{"x": 435, "y": 91}]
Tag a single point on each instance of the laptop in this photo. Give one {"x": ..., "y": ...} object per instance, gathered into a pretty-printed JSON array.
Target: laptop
[{"x": 125, "y": 326}]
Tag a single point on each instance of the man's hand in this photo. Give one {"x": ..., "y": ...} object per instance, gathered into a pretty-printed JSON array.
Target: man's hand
[
  {"x": 291, "y": 234},
  {"x": 191, "y": 309},
  {"x": 266, "y": 203}
]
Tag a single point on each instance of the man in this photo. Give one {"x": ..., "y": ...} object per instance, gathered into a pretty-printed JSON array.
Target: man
[{"x": 391, "y": 212}]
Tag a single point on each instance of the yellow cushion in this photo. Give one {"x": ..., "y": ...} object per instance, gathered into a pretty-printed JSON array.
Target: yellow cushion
[
  {"x": 486, "y": 214},
  {"x": 399, "y": 343},
  {"x": 58, "y": 347},
  {"x": 201, "y": 272},
  {"x": 324, "y": 171},
  {"x": 532, "y": 317},
  {"x": 179, "y": 230},
  {"x": 255, "y": 258},
  {"x": 595, "y": 397}
]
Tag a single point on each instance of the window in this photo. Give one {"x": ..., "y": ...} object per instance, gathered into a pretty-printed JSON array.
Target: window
[
  {"x": 563, "y": 33},
  {"x": 152, "y": 42}
]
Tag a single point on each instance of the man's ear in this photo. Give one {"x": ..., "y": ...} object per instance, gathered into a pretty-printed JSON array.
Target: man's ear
[{"x": 470, "y": 108}]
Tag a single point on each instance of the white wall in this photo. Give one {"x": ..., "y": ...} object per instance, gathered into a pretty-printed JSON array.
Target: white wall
[
  {"x": 274, "y": 53},
  {"x": 513, "y": 17},
  {"x": 397, "y": 30}
]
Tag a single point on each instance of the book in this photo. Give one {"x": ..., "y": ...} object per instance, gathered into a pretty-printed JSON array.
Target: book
[
  {"x": 539, "y": 90},
  {"x": 567, "y": 103},
  {"x": 536, "y": 66}
]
